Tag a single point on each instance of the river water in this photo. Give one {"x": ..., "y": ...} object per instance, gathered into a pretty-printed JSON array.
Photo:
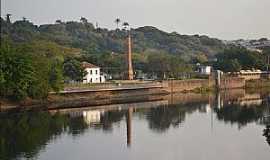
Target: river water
[{"x": 181, "y": 127}]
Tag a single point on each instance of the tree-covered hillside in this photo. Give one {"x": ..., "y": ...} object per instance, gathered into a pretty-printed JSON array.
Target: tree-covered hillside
[{"x": 96, "y": 40}]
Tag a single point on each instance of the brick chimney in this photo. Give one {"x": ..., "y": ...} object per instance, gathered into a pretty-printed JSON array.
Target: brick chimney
[{"x": 129, "y": 60}]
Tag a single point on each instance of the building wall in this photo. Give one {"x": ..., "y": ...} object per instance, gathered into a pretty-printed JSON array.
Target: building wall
[
  {"x": 93, "y": 76},
  {"x": 254, "y": 76},
  {"x": 205, "y": 70}
]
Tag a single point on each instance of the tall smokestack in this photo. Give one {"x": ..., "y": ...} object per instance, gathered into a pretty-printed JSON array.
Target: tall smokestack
[{"x": 129, "y": 59}]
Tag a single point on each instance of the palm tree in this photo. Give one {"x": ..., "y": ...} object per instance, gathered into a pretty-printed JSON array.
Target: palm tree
[
  {"x": 58, "y": 21},
  {"x": 117, "y": 21},
  {"x": 8, "y": 18},
  {"x": 125, "y": 25},
  {"x": 84, "y": 20}
]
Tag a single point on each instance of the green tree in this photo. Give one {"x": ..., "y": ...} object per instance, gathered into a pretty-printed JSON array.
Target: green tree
[
  {"x": 30, "y": 70},
  {"x": 73, "y": 70},
  {"x": 125, "y": 25},
  {"x": 17, "y": 73},
  {"x": 158, "y": 64},
  {"x": 56, "y": 74},
  {"x": 117, "y": 21},
  {"x": 235, "y": 58},
  {"x": 8, "y": 18},
  {"x": 200, "y": 58},
  {"x": 84, "y": 20}
]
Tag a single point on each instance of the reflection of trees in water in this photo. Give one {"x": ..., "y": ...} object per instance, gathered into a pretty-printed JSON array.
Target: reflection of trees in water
[
  {"x": 162, "y": 118},
  {"x": 76, "y": 126},
  {"x": 242, "y": 115},
  {"x": 266, "y": 133},
  {"x": 108, "y": 119},
  {"x": 25, "y": 134}
]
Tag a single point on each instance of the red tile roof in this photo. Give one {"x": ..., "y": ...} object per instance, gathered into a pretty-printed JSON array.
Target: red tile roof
[{"x": 89, "y": 65}]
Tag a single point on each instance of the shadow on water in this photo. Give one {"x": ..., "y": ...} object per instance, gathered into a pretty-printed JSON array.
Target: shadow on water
[{"x": 26, "y": 134}]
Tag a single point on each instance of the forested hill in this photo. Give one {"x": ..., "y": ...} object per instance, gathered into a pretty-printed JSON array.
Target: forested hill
[{"x": 99, "y": 40}]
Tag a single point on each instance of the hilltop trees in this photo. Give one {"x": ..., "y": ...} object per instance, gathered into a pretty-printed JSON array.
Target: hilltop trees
[
  {"x": 8, "y": 18},
  {"x": 125, "y": 25},
  {"x": 84, "y": 20},
  {"x": 117, "y": 21},
  {"x": 234, "y": 59},
  {"x": 85, "y": 36}
]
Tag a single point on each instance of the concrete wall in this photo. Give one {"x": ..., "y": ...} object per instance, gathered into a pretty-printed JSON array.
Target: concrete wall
[
  {"x": 232, "y": 82},
  {"x": 188, "y": 85}
]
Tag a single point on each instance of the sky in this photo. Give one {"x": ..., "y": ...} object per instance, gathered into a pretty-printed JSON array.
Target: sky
[{"x": 223, "y": 19}]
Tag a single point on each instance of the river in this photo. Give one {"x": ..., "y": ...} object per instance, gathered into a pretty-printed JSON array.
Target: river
[{"x": 189, "y": 127}]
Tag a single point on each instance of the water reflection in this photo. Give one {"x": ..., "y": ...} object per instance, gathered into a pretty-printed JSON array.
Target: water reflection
[
  {"x": 266, "y": 133},
  {"x": 25, "y": 135},
  {"x": 129, "y": 126},
  {"x": 162, "y": 118}
]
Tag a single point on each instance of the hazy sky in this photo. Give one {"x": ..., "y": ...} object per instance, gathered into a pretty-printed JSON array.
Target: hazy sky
[{"x": 224, "y": 19}]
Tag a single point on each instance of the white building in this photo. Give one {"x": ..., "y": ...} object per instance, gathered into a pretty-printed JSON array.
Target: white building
[
  {"x": 205, "y": 70},
  {"x": 93, "y": 73}
]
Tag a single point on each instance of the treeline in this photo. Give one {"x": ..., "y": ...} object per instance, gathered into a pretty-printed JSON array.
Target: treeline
[
  {"x": 234, "y": 59},
  {"x": 34, "y": 69},
  {"x": 96, "y": 40}
]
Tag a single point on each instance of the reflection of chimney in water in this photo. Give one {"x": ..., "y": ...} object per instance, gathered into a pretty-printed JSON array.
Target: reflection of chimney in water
[{"x": 129, "y": 126}]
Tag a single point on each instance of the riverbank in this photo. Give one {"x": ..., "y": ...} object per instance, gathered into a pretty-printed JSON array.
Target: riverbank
[{"x": 122, "y": 92}]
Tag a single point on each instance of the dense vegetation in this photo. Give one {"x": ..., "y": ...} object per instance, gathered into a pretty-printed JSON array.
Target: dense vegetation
[
  {"x": 31, "y": 69},
  {"x": 234, "y": 59},
  {"x": 96, "y": 40},
  {"x": 38, "y": 59}
]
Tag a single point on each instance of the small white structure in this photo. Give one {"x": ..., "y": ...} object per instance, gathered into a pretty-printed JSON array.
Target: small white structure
[
  {"x": 93, "y": 73},
  {"x": 205, "y": 70}
]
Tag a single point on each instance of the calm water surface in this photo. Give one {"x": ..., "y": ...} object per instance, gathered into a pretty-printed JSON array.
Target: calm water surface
[{"x": 203, "y": 130}]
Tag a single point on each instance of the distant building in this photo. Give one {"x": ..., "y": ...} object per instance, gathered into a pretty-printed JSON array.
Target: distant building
[
  {"x": 93, "y": 73},
  {"x": 205, "y": 70},
  {"x": 253, "y": 74}
]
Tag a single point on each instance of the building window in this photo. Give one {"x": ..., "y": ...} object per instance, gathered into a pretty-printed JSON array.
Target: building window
[
  {"x": 91, "y": 72},
  {"x": 96, "y": 71}
]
